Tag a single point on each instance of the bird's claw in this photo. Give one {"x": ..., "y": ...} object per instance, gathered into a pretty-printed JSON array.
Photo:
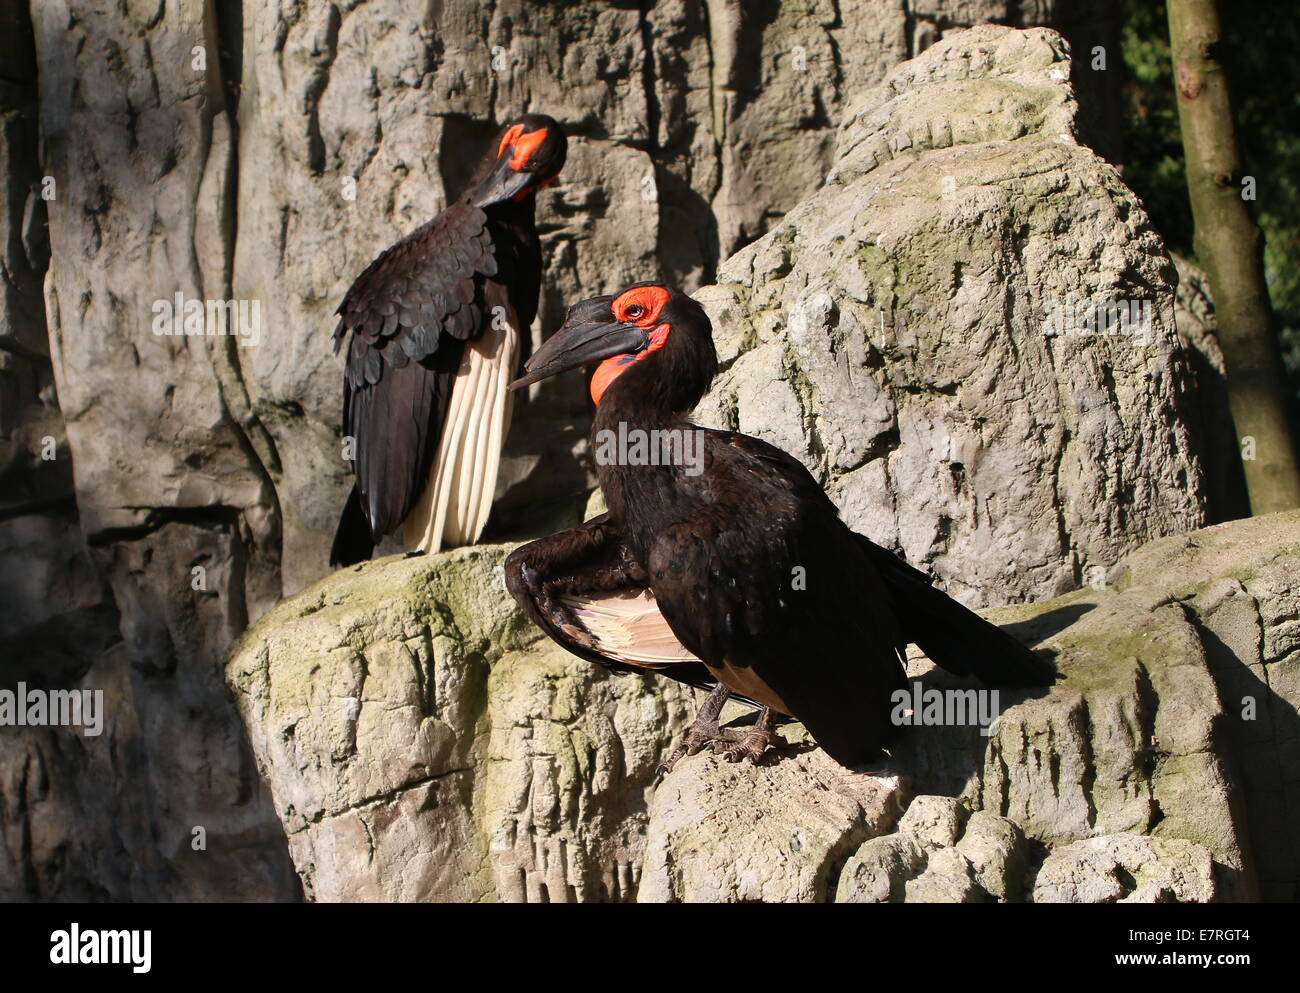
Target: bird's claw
[
  {"x": 699, "y": 737},
  {"x": 748, "y": 743},
  {"x": 733, "y": 744}
]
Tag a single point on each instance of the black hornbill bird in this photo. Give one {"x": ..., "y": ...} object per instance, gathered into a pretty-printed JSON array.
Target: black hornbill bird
[
  {"x": 734, "y": 573},
  {"x": 435, "y": 324}
]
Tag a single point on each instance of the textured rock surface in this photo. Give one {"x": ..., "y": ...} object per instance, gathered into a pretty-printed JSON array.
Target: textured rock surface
[
  {"x": 60, "y": 833},
  {"x": 892, "y": 331},
  {"x": 918, "y": 863},
  {"x": 1127, "y": 868},
  {"x": 418, "y": 748},
  {"x": 263, "y": 153},
  {"x": 418, "y": 745},
  {"x": 163, "y": 485},
  {"x": 1223, "y": 481},
  {"x": 701, "y": 847}
]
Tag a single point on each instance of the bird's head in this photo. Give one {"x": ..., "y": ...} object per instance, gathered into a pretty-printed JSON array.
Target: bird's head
[
  {"x": 529, "y": 152},
  {"x": 650, "y": 341}
]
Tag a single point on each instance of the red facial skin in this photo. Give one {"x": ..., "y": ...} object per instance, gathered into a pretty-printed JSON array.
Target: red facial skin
[
  {"x": 641, "y": 306},
  {"x": 522, "y": 145}
]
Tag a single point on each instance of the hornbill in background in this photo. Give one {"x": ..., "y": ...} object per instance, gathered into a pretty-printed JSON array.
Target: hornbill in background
[
  {"x": 734, "y": 573},
  {"x": 435, "y": 327}
]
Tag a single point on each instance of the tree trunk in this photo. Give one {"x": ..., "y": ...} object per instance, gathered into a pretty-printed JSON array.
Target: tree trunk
[{"x": 1230, "y": 246}]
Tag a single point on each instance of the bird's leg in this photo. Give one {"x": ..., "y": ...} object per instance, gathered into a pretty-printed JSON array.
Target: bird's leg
[
  {"x": 749, "y": 743},
  {"x": 704, "y": 732}
]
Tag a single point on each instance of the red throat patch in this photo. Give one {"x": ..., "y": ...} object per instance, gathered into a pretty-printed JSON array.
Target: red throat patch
[{"x": 616, "y": 365}]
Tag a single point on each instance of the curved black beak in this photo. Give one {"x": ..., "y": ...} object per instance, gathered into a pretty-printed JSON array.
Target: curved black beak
[
  {"x": 502, "y": 183},
  {"x": 589, "y": 334}
]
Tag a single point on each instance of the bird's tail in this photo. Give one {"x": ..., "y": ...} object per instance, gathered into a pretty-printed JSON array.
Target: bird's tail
[
  {"x": 952, "y": 636},
  {"x": 352, "y": 541}
]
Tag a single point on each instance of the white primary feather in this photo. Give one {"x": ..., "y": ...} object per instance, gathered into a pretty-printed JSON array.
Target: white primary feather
[
  {"x": 454, "y": 507},
  {"x": 629, "y": 627}
]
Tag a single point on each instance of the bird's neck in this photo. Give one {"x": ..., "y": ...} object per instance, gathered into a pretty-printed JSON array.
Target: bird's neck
[
  {"x": 628, "y": 405},
  {"x": 641, "y": 451},
  {"x": 517, "y": 212}
]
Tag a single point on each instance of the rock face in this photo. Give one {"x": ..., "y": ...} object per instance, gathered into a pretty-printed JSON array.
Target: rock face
[
  {"x": 1126, "y": 868},
  {"x": 420, "y": 748},
  {"x": 925, "y": 862},
  {"x": 1223, "y": 480},
  {"x": 262, "y": 154},
  {"x": 790, "y": 854},
  {"x": 916, "y": 331},
  {"x": 420, "y": 743}
]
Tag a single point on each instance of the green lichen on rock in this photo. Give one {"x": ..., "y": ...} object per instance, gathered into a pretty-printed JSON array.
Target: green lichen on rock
[
  {"x": 422, "y": 742},
  {"x": 894, "y": 331}
]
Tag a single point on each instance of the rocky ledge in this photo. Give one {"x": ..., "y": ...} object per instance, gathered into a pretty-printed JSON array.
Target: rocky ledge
[{"x": 422, "y": 743}]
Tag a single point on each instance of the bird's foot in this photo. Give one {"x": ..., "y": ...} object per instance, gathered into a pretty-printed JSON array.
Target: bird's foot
[
  {"x": 747, "y": 743},
  {"x": 733, "y": 744},
  {"x": 705, "y": 731},
  {"x": 701, "y": 735}
]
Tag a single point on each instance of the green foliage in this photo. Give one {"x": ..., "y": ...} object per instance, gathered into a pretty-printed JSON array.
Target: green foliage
[{"x": 1260, "y": 38}]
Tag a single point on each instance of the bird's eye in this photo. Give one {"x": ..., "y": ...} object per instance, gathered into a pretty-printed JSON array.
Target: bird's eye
[{"x": 635, "y": 311}]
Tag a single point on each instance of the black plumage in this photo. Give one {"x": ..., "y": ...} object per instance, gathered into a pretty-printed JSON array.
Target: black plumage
[
  {"x": 407, "y": 318},
  {"x": 745, "y": 555}
]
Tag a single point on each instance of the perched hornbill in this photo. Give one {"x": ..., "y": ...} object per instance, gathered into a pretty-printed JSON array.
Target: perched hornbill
[
  {"x": 733, "y": 572},
  {"x": 436, "y": 322}
]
